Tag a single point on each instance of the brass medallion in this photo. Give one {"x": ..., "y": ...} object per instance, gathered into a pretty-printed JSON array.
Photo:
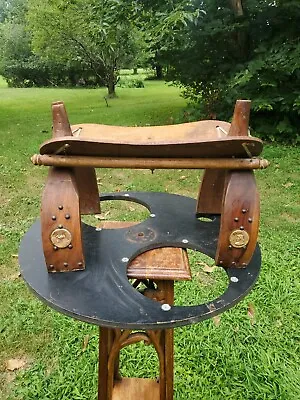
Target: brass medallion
[
  {"x": 61, "y": 238},
  {"x": 239, "y": 238}
]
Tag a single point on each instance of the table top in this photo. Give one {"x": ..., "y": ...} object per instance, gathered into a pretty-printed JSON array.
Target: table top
[{"x": 102, "y": 293}]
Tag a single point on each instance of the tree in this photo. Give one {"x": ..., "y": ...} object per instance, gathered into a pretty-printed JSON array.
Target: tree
[
  {"x": 96, "y": 33},
  {"x": 163, "y": 24},
  {"x": 242, "y": 49}
]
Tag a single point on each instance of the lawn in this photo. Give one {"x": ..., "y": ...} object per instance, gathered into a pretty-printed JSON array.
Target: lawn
[{"x": 250, "y": 353}]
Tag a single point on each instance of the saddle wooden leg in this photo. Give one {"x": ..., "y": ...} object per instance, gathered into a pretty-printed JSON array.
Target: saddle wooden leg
[
  {"x": 211, "y": 192},
  {"x": 60, "y": 221},
  {"x": 239, "y": 220},
  {"x": 87, "y": 190}
]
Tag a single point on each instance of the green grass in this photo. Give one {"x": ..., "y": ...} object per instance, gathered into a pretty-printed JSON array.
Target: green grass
[{"x": 238, "y": 358}]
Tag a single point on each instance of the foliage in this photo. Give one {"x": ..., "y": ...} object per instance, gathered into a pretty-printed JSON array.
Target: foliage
[
  {"x": 243, "y": 50},
  {"x": 161, "y": 24},
  {"x": 241, "y": 359},
  {"x": 131, "y": 83},
  {"x": 95, "y": 33}
]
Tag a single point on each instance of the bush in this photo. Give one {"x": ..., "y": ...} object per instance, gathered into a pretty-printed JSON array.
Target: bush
[{"x": 131, "y": 83}]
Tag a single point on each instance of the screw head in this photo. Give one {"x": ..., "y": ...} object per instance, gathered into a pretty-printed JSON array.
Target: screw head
[
  {"x": 125, "y": 259},
  {"x": 65, "y": 264},
  {"x": 60, "y": 207},
  {"x": 152, "y": 215},
  {"x": 230, "y": 247},
  {"x": 70, "y": 246},
  {"x": 60, "y": 226},
  {"x": 67, "y": 216},
  {"x": 242, "y": 228},
  {"x": 233, "y": 263},
  {"x": 250, "y": 220},
  {"x": 234, "y": 279},
  {"x": 51, "y": 266},
  {"x": 244, "y": 211},
  {"x": 80, "y": 264},
  {"x": 236, "y": 219},
  {"x": 166, "y": 307},
  {"x": 185, "y": 241},
  {"x": 55, "y": 248},
  {"x": 53, "y": 217}
]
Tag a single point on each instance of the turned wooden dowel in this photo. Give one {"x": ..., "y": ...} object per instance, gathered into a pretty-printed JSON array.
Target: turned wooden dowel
[{"x": 149, "y": 163}]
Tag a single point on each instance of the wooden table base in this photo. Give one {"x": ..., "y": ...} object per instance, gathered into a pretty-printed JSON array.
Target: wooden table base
[{"x": 111, "y": 385}]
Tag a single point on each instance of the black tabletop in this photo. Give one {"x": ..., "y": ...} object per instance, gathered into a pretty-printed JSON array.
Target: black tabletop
[{"x": 102, "y": 294}]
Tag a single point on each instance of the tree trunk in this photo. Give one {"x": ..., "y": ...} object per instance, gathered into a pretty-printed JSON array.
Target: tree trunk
[
  {"x": 111, "y": 84},
  {"x": 135, "y": 71},
  {"x": 237, "y": 7},
  {"x": 159, "y": 71},
  {"x": 241, "y": 36},
  {"x": 111, "y": 88}
]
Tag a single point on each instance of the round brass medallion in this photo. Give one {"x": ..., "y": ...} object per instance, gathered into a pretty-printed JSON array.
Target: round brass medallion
[
  {"x": 61, "y": 238},
  {"x": 239, "y": 238}
]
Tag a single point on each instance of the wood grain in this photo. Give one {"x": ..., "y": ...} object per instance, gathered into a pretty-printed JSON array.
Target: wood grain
[
  {"x": 240, "y": 212},
  {"x": 149, "y": 163},
  {"x": 86, "y": 182},
  {"x": 60, "y": 208},
  {"x": 136, "y": 389},
  {"x": 210, "y": 197}
]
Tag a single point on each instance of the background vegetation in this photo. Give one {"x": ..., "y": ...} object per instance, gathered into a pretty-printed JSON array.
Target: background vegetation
[
  {"x": 215, "y": 50},
  {"x": 250, "y": 352}
]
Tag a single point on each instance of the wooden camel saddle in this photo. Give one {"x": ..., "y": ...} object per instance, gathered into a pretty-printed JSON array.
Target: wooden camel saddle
[{"x": 226, "y": 151}]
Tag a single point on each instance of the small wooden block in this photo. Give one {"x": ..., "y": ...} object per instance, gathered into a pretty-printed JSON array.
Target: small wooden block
[
  {"x": 166, "y": 263},
  {"x": 136, "y": 389}
]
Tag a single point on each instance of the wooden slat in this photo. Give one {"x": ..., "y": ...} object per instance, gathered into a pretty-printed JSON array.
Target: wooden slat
[{"x": 136, "y": 389}]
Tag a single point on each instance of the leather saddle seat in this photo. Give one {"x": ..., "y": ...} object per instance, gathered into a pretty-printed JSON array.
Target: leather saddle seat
[{"x": 202, "y": 139}]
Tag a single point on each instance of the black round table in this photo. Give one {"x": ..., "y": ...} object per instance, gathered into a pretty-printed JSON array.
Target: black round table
[{"x": 102, "y": 294}]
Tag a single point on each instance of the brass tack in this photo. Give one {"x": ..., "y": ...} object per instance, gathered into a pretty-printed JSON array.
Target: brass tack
[
  {"x": 53, "y": 217},
  {"x": 51, "y": 266},
  {"x": 250, "y": 220},
  {"x": 244, "y": 211},
  {"x": 80, "y": 264},
  {"x": 60, "y": 226},
  {"x": 70, "y": 246},
  {"x": 236, "y": 219},
  {"x": 55, "y": 248},
  {"x": 233, "y": 263},
  {"x": 244, "y": 265},
  {"x": 230, "y": 247},
  {"x": 244, "y": 247},
  {"x": 242, "y": 228},
  {"x": 60, "y": 207},
  {"x": 65, "y": 264},
  {"x": 67, "y": 216},
  {"x": 221, "y": 262}
]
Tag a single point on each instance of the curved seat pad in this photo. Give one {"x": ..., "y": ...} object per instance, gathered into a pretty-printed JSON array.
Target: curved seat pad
[{"x": 203, "y": 139}]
